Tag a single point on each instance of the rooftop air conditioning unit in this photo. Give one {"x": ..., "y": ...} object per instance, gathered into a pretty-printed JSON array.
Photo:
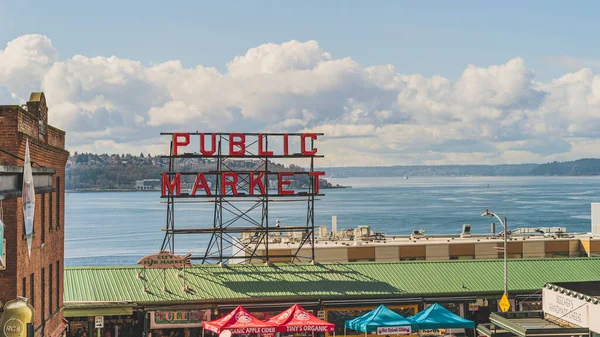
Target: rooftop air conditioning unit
[{"x": 466, "y": 231}]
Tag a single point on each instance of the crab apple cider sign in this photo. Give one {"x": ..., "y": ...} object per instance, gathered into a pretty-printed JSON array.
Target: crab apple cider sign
[{"x": 241, "y": 145}]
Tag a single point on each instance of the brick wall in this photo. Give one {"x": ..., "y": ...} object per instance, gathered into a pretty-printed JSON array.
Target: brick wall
[{"x": 46, "y": 149}]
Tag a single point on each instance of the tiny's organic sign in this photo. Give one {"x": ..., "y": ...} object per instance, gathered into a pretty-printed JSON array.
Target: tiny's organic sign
[
  {"x": 166, "y": 260},
  {"x": 178, "y": 318}
]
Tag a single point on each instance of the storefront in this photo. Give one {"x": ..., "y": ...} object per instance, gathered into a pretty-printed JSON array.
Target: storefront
[{"x": 104, "y": 326}]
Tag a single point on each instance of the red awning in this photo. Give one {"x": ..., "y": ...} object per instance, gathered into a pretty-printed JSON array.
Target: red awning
[
  {"x": 296, "y": 319},
  {"x": 239, "y": 322}
]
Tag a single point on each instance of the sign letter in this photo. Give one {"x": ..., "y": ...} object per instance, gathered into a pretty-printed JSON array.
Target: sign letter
[
  {"x": 241, "y": 144},
  {"x": 282, "y": 182},
  {"x": 258, "y": 181},
  {"x": 262, "y": 152},
  {"x": 170, "y": 185},
  {"x": 303, "y": 144},
  {"x": 177, "y": 141},
  {"x": 316, "y": 175},
  {"x": 201, "y": 183},
  {"x": 213, "y": 148},
  {"x": 233, "y": 182}
]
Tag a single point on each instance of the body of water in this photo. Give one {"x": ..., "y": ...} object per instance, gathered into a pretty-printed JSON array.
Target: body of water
[{"x": 118, "y": 228}]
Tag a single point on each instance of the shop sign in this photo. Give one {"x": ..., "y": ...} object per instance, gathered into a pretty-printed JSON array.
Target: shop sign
[
  {"x": 247, "y": 331},
  {"x": 565, "y": 307},
  {"x": 99, "y": 322},
  {"x": 394, "y": 330},
  {"x": 321, "y": 314},
  {"x": 178, "y": 319},
  {"x": 431, "y": 332},
  {"x": 165, "y": 260}
]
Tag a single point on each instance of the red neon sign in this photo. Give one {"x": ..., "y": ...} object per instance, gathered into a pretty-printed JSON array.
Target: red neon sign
[{"x": 240, "y": 145}]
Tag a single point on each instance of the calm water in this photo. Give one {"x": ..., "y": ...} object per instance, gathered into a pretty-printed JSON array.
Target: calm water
[{"x": 119, "y": 228}]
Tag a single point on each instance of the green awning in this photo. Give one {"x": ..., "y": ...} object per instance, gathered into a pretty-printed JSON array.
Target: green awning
[{"x": 90, "y": 311}]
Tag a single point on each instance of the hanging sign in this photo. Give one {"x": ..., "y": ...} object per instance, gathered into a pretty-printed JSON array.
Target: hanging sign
[
  {"x": 165, "y": 260},
  {"x": 28, "y": 198},
  {"x": 99, "y": 322},
  {"x": 504, "y": 303},
  {"x": 2, "y": 246},
  {"x": 394, "y": 330},
  {"x": 17, "y": 314}
]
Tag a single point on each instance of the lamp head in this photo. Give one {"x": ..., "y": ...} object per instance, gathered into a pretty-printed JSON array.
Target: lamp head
[{"x": 487, "y": 213}]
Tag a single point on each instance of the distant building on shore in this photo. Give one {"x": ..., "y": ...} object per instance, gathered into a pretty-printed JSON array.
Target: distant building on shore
[{"x": 147, "y": 184}]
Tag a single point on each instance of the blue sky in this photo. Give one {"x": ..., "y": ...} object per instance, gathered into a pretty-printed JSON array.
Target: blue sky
[
  {"x": 425, "y": 37},
  {"x": 388, "y": 82}
]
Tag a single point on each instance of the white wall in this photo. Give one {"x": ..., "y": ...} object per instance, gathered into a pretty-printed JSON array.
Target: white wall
[{"x": 596, "y": 218}]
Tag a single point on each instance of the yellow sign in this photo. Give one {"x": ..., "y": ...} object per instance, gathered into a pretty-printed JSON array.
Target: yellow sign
[{"x": 504, "y": 303}]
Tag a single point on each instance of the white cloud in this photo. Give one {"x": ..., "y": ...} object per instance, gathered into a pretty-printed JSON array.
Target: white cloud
[{"x": 375, "y": 115}]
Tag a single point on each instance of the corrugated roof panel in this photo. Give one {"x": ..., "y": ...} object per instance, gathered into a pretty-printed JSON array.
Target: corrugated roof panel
[{"x": 325, "y": 281}]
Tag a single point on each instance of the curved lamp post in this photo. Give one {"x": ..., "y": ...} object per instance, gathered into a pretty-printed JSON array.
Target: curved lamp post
[{"x": 504, "y": 230}]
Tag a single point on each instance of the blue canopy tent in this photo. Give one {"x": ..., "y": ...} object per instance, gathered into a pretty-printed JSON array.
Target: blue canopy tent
[
  {"x": 380, "y": 317},
  {"x": 438, "y": 317}
]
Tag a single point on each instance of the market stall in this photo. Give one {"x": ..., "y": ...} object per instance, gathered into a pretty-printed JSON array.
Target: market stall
[
  {"x": 239, "y": 322},
  {"x": 438, "y": 317},
  {"x": 381, "y": 320},
  {"x": 297, "y": 320}
]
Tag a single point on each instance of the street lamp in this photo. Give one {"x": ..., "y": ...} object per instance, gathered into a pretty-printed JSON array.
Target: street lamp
[{"x": 505, "y": 231}]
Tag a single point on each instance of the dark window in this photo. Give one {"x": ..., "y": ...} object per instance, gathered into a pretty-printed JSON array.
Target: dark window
[
  {"x": 31, "y": 290},
  {"x": 24, "y": 285},
  {"x": 50, "y": 276},
  {"x": 58, "y": 194},
  {"x": 57, "y": 285},
  {"x": 43, "y": 294},
  {"x": 43, "y": 206},
  {"x": 50, "y": 210}
]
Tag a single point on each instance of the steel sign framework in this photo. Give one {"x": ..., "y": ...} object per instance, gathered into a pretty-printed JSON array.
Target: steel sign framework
[{"x": 240, "y": 198}]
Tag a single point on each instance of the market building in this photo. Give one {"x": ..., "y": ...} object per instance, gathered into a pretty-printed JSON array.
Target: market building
[
  {"x": 36, "y": 274},
  {"x": 163, "y": 300}
]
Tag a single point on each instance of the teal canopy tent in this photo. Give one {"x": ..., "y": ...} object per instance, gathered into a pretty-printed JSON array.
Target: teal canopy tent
[
  {"x": 438, "y": 317},
  {"x": 380, "y": 317}
]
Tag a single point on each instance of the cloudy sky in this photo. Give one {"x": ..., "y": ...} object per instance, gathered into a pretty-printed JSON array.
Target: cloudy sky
[{"x": 389, "y": 83}]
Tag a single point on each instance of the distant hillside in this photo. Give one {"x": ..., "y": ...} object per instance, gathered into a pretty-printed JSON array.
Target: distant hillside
[
  {"x": 581, "y": 167},
  {"x": 88, "y": 171},
  {"x": 105, "y": 172}
]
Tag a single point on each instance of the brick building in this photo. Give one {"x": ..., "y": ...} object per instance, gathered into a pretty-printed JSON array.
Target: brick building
[{"x": 39, "y": 276}]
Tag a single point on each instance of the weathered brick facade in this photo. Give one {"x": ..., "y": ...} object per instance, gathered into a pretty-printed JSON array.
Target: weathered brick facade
[{"x": 45, "y": 265}]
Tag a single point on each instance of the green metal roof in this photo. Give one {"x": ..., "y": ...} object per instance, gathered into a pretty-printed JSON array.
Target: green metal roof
[{"x": 211, "y": 283}]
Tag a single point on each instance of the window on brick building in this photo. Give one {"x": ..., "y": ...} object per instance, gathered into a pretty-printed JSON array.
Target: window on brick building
[
  {"x": 32, "y": 290},
  {"x": 50, "y": 276},
  {"x": 43, "y": 294},
  {"x": 57, "y": 285},
  {"x": 24, "y": 287},
  {"x": 50, "y": 210},
  {"x": 58, "y": 194},
  {"x": 43, "y": 217}
]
